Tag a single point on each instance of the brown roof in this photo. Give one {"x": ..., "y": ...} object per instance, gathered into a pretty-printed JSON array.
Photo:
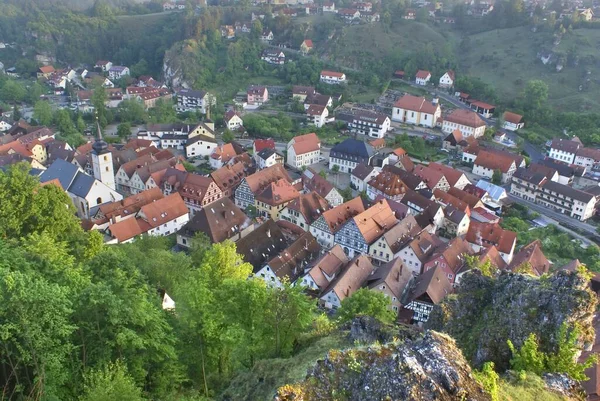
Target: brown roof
[
  {"x": 416, "y": 103},
  {"x": 486, "y": 234},
  {"x": 471, "y": 200},
  {"x": 336, "y": 217},
  {"x": 220, "y": 220},
  {"x": 491, "y": 253},
  {"x": 291, "y": 261},
  {"x": 375, "y": 221},
  {"x": 393, "y": 274},
  {"x": 164, "y": 210},
  {"x": 303, "y": 90},
  {"x": 589, "y": 153},
  {"x": 314, "y": 182},
  {"x": 422, "y": 74},
  {"x": 424, "y": 245},
  {"x": 262, "y": 244},
  {"x": 46, "y": 69},
  {"x": 224, "y": 152},
  {"x": 532, "y": 254},
  {"x": 130, "y": 167},
  {"x": 228, "y": 176},
  {"x": 566, "y": 145},
  {"x": 129, "y": 228},
  {"x": 136, "y": 144},
  {"x": 430, "y": 176},
  {"x": 332, "y": 73},
  {"x": 447, "y": 199},
  {"x": 262, "y": 178},
  {"x": 433, "y": 284},
  {"x": 403, "y": 232},
  {"x": 546, "y": 171},
  {"x": 512, "y": 117},
  {"x": 277, "y": 193},
  {"x": 351, "y": 278},
  {"x": 454, "y": 253},
  {"x": 465, "y": 117},
  {"x": 452, "y": 175},
  {"x": 306, "y": 143},
  {"x": 482, "y": 105},
  {"x": 454, "y": 137},
  {"x": 315, "y": 110},
  {"x": 362, "y": 171},
  {"x": 494, "y": 161},
  {"x": 310, "y": 205},
  {"x": 389, "y": 183},
  {"x": 330, "y": 264},
  {"x": 130, "y": 205}
]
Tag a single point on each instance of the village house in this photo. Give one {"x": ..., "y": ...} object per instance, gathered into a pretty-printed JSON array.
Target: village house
[
  {"x": 273, "y": 56},
  {"x": 196, "y": 190},
  {"x": 303, "y": 150},
  {"x": 349, "y": 15},
  {"x": 434, "y": 179},
  {"x": 390, "y": 280},
  {"x": 416, "y": 110},
  {"x": 86, "y": 192},
  {"x": 305, "y": 210},
  {"x": 329, "y": 7},
  {"x": 233, "y": 120},
  {"x": 220, "y": 221},
  {"x": 300, "y": 93},
  {"x": 483, "y": 235},
  {"x": 229, "y": 177},
  {"x": 227, "y": 31},
  {"x": 565, "y": 150},
  {"x": 45, "y": 71},
  {"x": 422, "y": 77},
  {"x": 266, "y": 36},
  {"x": 306, "y": 46},
  {"x": 454, "y": 140},
  {"x": 331, "y": 221},
  {"x": 418, "y": 251},
  {"x": 150, "y": 98},
  {"x": 117, "y": 72},
  {"x": 450, "y": 258},
  {"x": 189, "y": 100},
  {"x": 103, "y": 65},
  {"x": 486, "y": 163},
  {"x": 347, "y": 282},
  {"x": 5, "y": 126},
  {"x": 255, "y": 183},
  {"x": 257, "y": 95},
  {"x": 160, "y": 218},
  {"x": 531, "y": 260},
  {"x": 473, "y": 201},
  {"x": 587, "y": 157},
  {"x": 274, "y": 197},
  {"x": 332, "y": 77},
  {"x": 387, "y": 184},
  {"x": 260, "y": 144},
  {"x": 361, "y": 175},
  {"x": 290, "y": 263},
  {"x": 484, "y": 109},
  {"x": 455, "y": 178},
  {"x": 267, "y": 158},
  {"x": 364, "y": 122},
  {"x": 359, "y": 232},
  {"x": 200, "y": 146},
  {"x": 175, "y": 135},
  {"x": 223, "y": 154},
  {"x": 424, "y": 292},
  {"x": 445, "y": 199},
  {"x": 319, "y": 273},
  {"x": 114, "y": 212},
  {"x": 512, "y": 121},
  {"x": 399, "y": 158},
  {"x": 317, "y": 115},
  {"x": 389, "y": 245},
  {"x": 348, "y": 154},
  {"x": 265, "y": 243},
  {"x": 447, "y": 80},
  {"x": 468, "y": 122},
  {"x": 313, "y": 182},
  {"x": 456, "y": 222}
]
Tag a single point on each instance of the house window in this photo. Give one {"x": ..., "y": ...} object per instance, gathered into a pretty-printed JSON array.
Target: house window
[{"x": 98, "y": 201}]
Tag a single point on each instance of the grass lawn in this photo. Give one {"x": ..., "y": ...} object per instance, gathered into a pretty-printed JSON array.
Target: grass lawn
[{"x": 507, "y": 59}]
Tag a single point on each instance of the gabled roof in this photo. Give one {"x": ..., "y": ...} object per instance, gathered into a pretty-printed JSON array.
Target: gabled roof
[
  {"x": 494, "y": 161},
  {"x": 332, "y": 73},
  {"x": 533, "y": 255},
  {"x": 257, "y": 90},
  {"x": 354, "y": 147},
  {"x": 316, "y": 110},
  {"x": 164, "y": 210},
  {"x": 128, "y": 229},
  {"x": 259, "y": 180},
  {"x": 224, "y": 152},
  {"x": 433, "y": 284},
  {"x": 339, "y": 215},
  {"x": 351, "y": 278},
  {"x": 486, "y": 234},
  {"x": 416, "y": 103},
  {"x": 566, "y": 145},
  {"x": 62, "y": 170},
  {"x": 362, "y": 171},
  {"x": 260, "y": 144},
  {"x": 513, "y": 118},
  {"x": 454, "y": 137},
  {"x": 375, "y": 221},
  {"x": 310, "y": 205},
  {"x": 495, "y": 191},
  {"x": 454, "y": 214},
  {"x": 452, "y": 175},
  {"x": 491, "y": 253},
  {"x": 454, "y": 253},
  {"x": 303, "y": 90},
  {"x": 430, "y": 176},
  {"x": 266, "y": 241},
  {"x": 402, "y": 233},
  {"x": 81, "y": 185},
  {"x": 389, "y": 183},
  {"x": 306, "y": 143},
  {"x": 465, "y": 117},
  {"x": 450, "y": 74},
  {"x": 220, "y": 220},
  {"x": 228, "y": 176},
  {"x": 424, "y": 245},
  {"x": 394, "y": 275},
  {"x": 531, "y": 175},
  {"x": 291, "y": 261},
  {"x": 450, "y": 200},
  {"x": 314, "y": 182},
  {"x": 589, "y": 153},
  {"x": 469, "y": 199},
  {"x": 131, "y": 205},
  {"x": 422, "y": 74},
  {"x": 328, "y": 265},
  {"x": 277, "y": 193}
]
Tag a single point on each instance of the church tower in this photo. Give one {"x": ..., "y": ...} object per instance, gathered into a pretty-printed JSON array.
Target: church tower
[{"x": 102, "y": 162}]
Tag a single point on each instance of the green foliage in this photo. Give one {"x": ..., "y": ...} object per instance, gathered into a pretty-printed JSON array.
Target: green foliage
[
  {"x": 162, "y": 113},
  {"x": 124, "y": 131},
  {"x": 497, "y": 177},
  {"x": 228, "y": 136},
  {"x": 489, "y": 379},
  {"x": 530, "y": 359},
  {"x": 110, "y": 383},
  {"x": 12, "y": 92},
  {"x": 366, "y": 302},
  {"x": 132, "y": 111},
  {"x": 42, "y": 112}
]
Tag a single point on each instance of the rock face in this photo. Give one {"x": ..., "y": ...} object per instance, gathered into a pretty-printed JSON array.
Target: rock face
[
  {"x": 486, "y": 312},
  {"x": 428, "y": 368}
]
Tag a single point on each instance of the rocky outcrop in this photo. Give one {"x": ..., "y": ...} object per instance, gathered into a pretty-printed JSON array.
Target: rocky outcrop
[
  {"x": 486, "y": 312},
  {"x": 428, "y": 368},
  {"x": 184, "y": 62},
  {"x": 565, "y": 386}
]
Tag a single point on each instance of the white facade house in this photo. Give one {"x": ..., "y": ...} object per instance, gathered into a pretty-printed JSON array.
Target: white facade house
[
  {"x": 375, "y": 125},
  {"x": 416, "y": 110},
  {"x": 118, "y": 71},
  {"x": 194, "y": 100},
  {"x": 447, "y": 80},
  {"x": 200, "y": 146},
  {"x": 361, "y": 175},
  {"x": 587, "y": 157},
  {"x": 233, "y": 120},
  {"x": 467, "y": 122},
  {"x": 4, "y": 126},
  {"x": 486, "y": 163},
  {"x": 317, "y": 115},
  {"x": 564, "y": 150},
  {"x": 332, "y": 77},
  {"x": 303, "y": 150},
  {"x": 512, "y": 121},
  {"x": 422, "y": 77}
]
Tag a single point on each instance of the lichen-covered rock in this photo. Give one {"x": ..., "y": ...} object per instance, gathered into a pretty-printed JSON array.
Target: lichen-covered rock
[
  {"x": 428, "y": 368},
  {"x": 565, "y": 386},
  {"x": 485, "y": 312},
  {"x": 367, "y": 330}
]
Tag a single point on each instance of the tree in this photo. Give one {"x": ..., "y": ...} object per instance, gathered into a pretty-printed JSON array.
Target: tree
[
  {"x": 528, "y": 358},
  {"x": 124, "y": 131},
  {"x": 99, "y": 99},
  {"x": 488, "y": 378},
  {"x": 35, "y": 92},
  {"x": 111, "y": 383},
  {"x": 497, "y": 177},
  {"x": 12, "y": 92},
  {"x": 228, "y": 136},
  {"x": 369, "y": 303},
  {"x": 163, "y": 112},
  {"x": 42, "y": 112},
  {"x": 335, "y": 169},
  {"x": 16, "y": 113},
  {"x": 132, "y": 111},
  {"x": 323, "y": 174}
]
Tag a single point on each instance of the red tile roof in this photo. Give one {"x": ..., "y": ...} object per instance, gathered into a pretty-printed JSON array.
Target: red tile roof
[
  {"x": 452, "y": 175},
  {"x": 332, "y": 73},
  {"x": 423, "y": 74},
  {"x": 465, "y": 117},
  {"x": 494, "y": 161},
  {"x": 278, "y": 193},
  {"x": 533, "y": 255},
  {"x": 486, "y": 234},
  {"x": 260, "y": 144},
  {"x": 512, "y": 117},
  {"x": 416, "y": 103},
  {"x": 336, "y": 217},
  {"x": 306, "y": 143}
]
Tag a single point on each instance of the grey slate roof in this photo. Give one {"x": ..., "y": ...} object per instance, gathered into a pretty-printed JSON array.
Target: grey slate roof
[
  {"x": 81, "y": 185},
  {"x": 62, "y": 170},
  {"x": 353, "y": 147}
]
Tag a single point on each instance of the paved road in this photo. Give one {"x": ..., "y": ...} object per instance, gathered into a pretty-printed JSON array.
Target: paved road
[{"x": 555, "y": 215}]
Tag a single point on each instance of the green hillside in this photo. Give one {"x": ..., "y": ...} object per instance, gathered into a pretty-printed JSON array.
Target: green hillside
[{"x": 507, "y": 59}]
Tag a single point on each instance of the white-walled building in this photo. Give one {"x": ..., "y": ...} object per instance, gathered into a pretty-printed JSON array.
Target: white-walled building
[
  {"x": 447, "y": 80},
  {"x": 416, "y": 110},
  {"x": 303, "y": 150},
  {"x": 468, "y": 122},
  {"x": 565, "y": 150},
  {"x": 332, "y": 77},
  {"x": 200, "y": 146},
  {"x": 317, "y": 115},
  {"x": 422, "y": 77}
]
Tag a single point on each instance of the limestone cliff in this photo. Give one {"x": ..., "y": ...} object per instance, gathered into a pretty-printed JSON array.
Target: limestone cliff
[
  {"x": 485, "y": 312},
  {"x": 428, "y": 368}
]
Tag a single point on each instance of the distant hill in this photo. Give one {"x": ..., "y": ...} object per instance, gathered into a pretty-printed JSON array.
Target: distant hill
[{"x": 77, "y": 4}]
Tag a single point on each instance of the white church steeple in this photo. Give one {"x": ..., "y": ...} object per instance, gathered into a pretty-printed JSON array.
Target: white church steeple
[{"x": 102, "y": 162}]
